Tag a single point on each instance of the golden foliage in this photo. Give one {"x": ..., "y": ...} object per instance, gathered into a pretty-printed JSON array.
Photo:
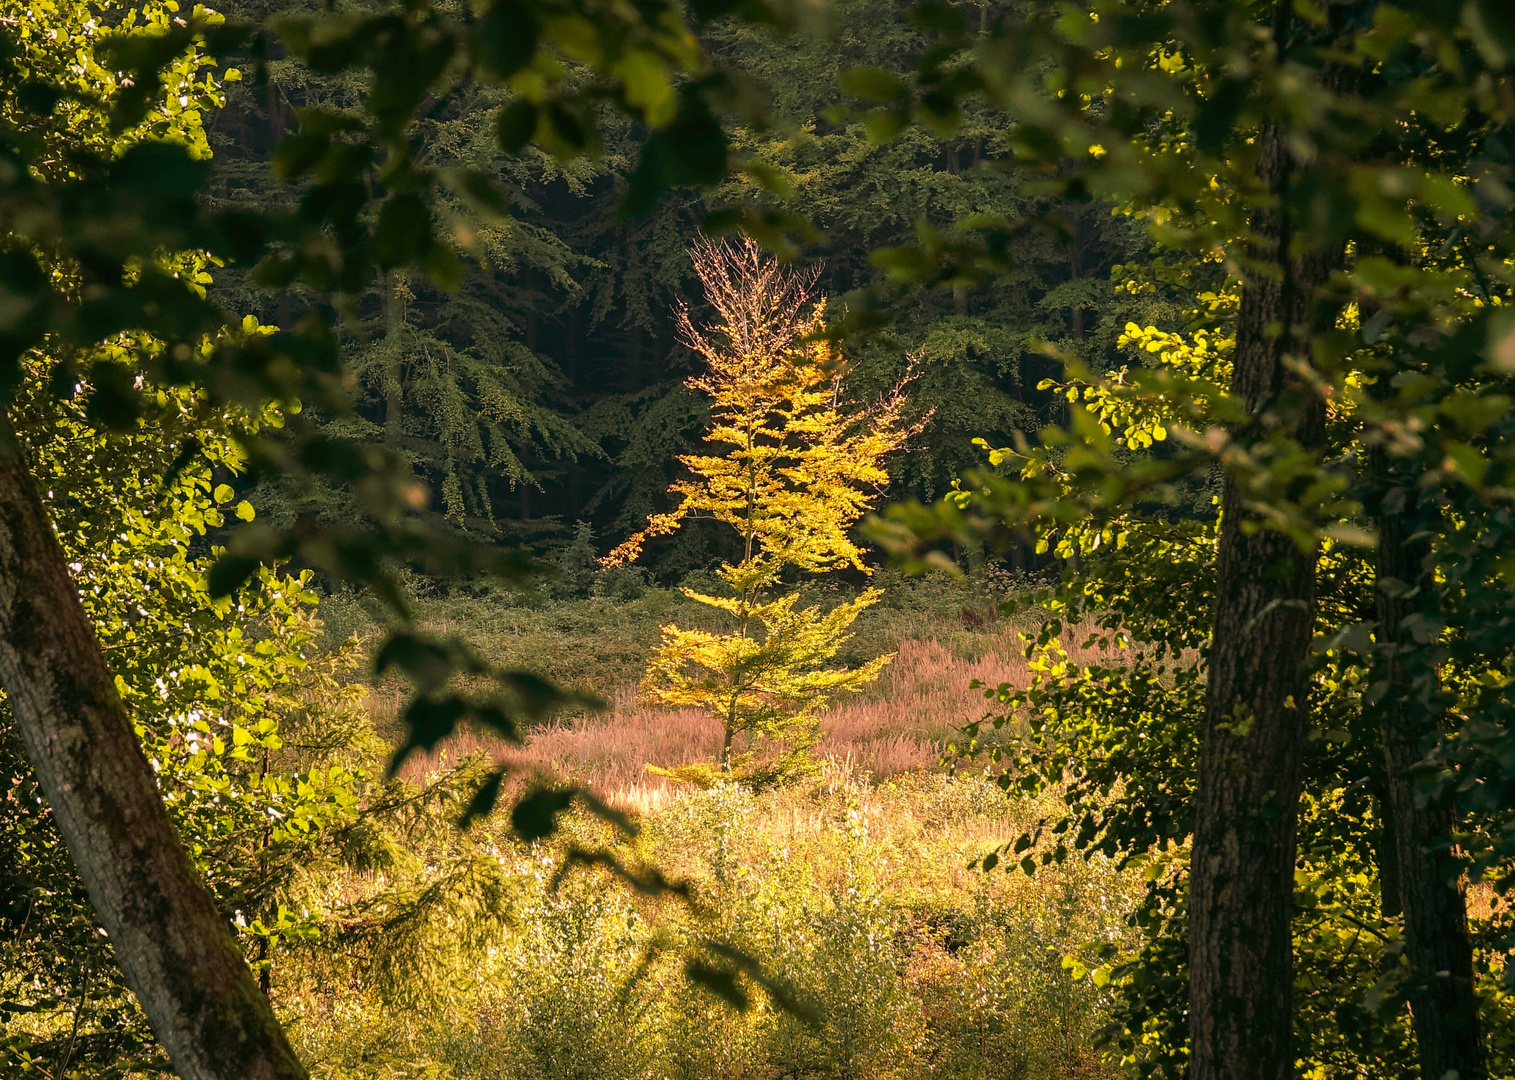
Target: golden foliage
[{"x": 791, "y": 466}]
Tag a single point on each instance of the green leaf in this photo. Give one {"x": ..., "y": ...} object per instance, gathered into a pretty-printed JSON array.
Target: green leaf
[
  {"x": 1346, "y": 533},
  {"x": 936, "y": 15},
  {"x": 691, "y": 150},
  {"x": 429, "y": 721},
  {"x": 1467, "y": 462},
  {"x": 428, "y": 663},
  {"x": 23, "y": 316},
  {"x": 516, "y": 125},
  {"x": 403, "y": 234},
  {"x": 483, "y": 193},
  {"x": 648, "y": 86},
  {"x": 883, "y": 125},
  {"x": 1501, "y": 341},
  {"x": 483, "y": 800},
  {"x": 115, "y": 402},
  {"x": 1217, "y": 115},
  {"x": 38, "y": 97},
  {"x": 1491, "y": 26},
  {"x": 230, "y": 573}
]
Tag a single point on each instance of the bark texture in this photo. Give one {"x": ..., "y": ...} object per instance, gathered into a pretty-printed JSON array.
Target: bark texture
[
  {"x": 1429, "y": 895},
  {"x": 175, "y": 949},
  {"x": 1251, "y": 761}
]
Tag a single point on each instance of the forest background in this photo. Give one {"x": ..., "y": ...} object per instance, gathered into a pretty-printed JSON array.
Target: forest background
[
  {"x": 334, "y": 872},
  {"x": 548, "y": 389},
  {"x": 544, "y": 403}
]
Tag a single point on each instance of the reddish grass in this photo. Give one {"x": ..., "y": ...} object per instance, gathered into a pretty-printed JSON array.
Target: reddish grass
[{"x": 901, "y": 724}]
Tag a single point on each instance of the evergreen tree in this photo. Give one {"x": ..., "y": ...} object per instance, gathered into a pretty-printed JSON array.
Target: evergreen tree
[
  {"x": 551, "y": 385},
  {"x": 452, "y": 378},
  {"x": 796, "y": 466}
]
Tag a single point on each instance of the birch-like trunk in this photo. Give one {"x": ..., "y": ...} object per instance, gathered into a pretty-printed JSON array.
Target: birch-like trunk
[{"x": 174, "y": 947}]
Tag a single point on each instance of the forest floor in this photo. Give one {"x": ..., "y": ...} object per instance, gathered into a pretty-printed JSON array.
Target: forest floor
[
  {"x": 851, "y": 886},
  {"x": 944, "y": 635}
]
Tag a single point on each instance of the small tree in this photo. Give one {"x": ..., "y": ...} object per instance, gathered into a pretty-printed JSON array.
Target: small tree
[{"x": 792, "y": 468}]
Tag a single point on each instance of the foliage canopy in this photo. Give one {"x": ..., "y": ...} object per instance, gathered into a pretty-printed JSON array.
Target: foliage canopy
[{"x": 799, "y": 466}]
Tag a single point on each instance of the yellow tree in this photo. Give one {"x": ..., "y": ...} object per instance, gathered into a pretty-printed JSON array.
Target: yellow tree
[{"x": 791, "y": 466}]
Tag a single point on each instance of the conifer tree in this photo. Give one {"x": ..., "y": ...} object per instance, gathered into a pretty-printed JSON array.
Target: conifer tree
[{"x": 791, "y": 467}]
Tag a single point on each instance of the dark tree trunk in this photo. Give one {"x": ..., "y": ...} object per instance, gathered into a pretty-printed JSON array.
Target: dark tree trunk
[
  {"x": 1242, "y": 868},
  {"x": 1386, "y": 851},
  {"x": 1428, "y": 894},
  {"x": 175, "y": 949}
]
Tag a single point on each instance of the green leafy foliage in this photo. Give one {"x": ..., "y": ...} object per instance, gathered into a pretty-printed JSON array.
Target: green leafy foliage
[
  {"x": 218, "y": 691},
  {"x": 1153, "y": 110}
]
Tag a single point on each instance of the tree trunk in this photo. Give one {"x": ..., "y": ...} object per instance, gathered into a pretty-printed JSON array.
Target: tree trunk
[
  {"x": 1242, "y": 865},
  {"x": 175, "y": 949},
  {"x": 1386, "y": 851},
  {"x": 1442, "y": 1002}
]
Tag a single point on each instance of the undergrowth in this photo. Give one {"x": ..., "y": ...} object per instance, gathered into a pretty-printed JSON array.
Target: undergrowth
[
  {"x": 854, "y": 897},
  {"x": 473, "y": 955},
  {"x": 600, "y": 642}
]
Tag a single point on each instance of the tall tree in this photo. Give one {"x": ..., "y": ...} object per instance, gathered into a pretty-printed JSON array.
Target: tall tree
[
  {"x": 797, "y": 465},
  {"x": 1276, "y": 168},
  {"x": 1241, "y": 972},
  {"x": 173, "y": 945},
  {"x": 1421, "y": 878},
  {"x": 102, "y": 195}
]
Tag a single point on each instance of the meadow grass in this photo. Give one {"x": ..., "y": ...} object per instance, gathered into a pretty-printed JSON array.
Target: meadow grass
[
  {"x": 945, "y": 636},
  {"x": 855, "y": 896},
  {"x": 850, "y": 887}
]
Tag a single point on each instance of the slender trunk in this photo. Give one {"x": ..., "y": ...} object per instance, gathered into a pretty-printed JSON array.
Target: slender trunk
[
  {"x": 175, "y": 949},
  {"x": 1076, "y": 271},
  {"x": 73, "y": 1035},
  {"x": 1386, "y": 852},
  {"x": 1429, "y": 897},
  {"x": 1242, "y": 869},
  {"x": 749, "y": 539},
  {"x": 266, "y": 971}
]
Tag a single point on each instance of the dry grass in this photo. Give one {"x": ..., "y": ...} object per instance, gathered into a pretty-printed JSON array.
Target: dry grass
[
  {"x": 853, "y": 882},
  {"x": 900, "y": 725}
]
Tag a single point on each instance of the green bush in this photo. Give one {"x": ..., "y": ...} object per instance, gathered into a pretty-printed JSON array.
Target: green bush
[{"x": 853, "y": 898}]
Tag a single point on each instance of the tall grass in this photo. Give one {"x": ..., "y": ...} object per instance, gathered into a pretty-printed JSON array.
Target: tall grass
[
  {"x": 851, "y": 887},
  {"x": 853, "y": 895},
  {"x": 902, "y": 724}
]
